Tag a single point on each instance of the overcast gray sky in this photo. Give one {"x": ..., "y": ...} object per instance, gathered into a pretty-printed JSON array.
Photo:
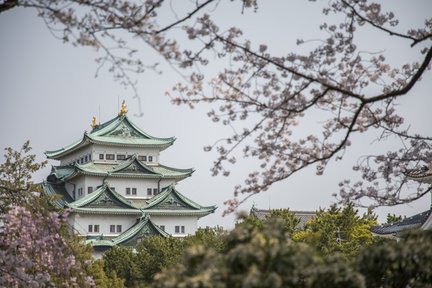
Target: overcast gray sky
[{"x": 49, "y": 94}]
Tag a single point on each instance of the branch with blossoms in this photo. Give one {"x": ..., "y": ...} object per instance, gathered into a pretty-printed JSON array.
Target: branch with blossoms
[
  {"x": 269, "y": 96},
  {"x": 34, "y": 252},
  {"x": 338, "y": 79}
]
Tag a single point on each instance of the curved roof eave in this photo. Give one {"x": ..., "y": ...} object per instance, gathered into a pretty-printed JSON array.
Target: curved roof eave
[
  {"x": 171, "y": 189},
  {"x": 106, "y": 211},
  {"x": 199, "y": 213},
  {"x": 104, "y": 129},
  {"x": 57, "y": 154},
  {"x": 112, "y": 124},
  {"x": 78, "y": 204}
]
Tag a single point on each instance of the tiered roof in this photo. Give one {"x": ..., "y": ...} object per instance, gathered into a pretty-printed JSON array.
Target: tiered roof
[
  {"x": 119, "y": 131},
  {"x": 419, "y": 221},
  {"x": 303, "y": 216},
  {"x": 130, "y": 168},
  {"x": 171, "y": 202},
  {"x": 104, "y": 200},
  {"x": 143, "y": 228},
  {"x": 422, "y": 220}
]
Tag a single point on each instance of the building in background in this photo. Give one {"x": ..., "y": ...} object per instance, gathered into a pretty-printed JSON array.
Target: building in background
[
  {"x": 303, "y": 216},
  {"x": 419, "y": 221},
  {"x": 117, "y": 190}
]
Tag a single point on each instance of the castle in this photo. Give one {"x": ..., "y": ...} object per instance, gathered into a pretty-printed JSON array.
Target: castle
[{"x": 115, "y": 188}]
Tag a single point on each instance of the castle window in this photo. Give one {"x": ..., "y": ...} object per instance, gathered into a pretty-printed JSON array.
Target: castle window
[
  {"x": 121, "y": 157},
  {"x": 119, "y": 228},
  {"x": 80, "y": 191},
  {"x": 112, "y": 228},
  {"x": 155, "y": 191},
  {"x": 101, "y": 156},
  {"x": 149, "y": 191},
  {"x": 89, "y": 189},
  {"x": 142, "y": 158},
  {"x": 93, "y": 228},
  {"x": 134, "y": 191},
  {"x": 82, "y": 160},
  {"x": 162, "y": 227},
  {"x": 89, "y": 157},
  {"x": 150, "y": 158},
  {"x": 128, "y": 191},
  {"x": 86, "y": 159},
  {"x": 179, "y": 229},
  {"x": 109, "y": 156}
]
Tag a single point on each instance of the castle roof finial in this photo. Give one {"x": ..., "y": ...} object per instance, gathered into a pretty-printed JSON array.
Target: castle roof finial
[
  {"x": 94, "y": 122},
  {"x": 123, "y": 110}
]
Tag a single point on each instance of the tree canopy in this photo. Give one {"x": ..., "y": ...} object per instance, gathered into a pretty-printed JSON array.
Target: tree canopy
[
  {"x": 338, "y": 230},
  {"x": 352, "y": 89},
  {"x": 266, "y": 256}
]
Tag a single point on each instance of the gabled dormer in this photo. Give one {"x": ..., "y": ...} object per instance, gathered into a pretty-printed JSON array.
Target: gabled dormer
[
  {"x": 144, "y": 227},
  {"x": 171, "y": 202},
  {"x": 103, "y": 200}
]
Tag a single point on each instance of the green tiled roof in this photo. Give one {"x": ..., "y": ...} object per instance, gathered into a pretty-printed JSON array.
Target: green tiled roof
[
  {"x": 129, "y": 168},
  {"x": 58, "y": 194},
  {"x": 143, "y": 228},
  {"x": 119, "y": 131},
  {"x": 171, "y": 202},
  {"x": 102, "y": 200}
]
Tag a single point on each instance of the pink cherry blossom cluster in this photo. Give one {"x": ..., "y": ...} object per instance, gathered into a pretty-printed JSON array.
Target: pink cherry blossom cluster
[{"x": 34, "y": 254}]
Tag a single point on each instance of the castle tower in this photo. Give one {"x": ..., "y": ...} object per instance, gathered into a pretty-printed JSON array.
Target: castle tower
[{"x": 116, "y": 189}]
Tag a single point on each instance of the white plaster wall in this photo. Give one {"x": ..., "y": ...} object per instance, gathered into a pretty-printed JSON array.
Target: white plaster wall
[
  {"x": 128, "y": 151},
  {"x": 166, "y": 182},
  {"x": 95, "y": 149},
  {"x": 92, "y": 181},
  {"x": 81, "y": 222},
  {"x": 121, "y": 184},
  {"x": 76, "y": 155},
  {"x": 79, "y": 182},
  {"x": 190, "y": 223},
  {"x": 70, "y": 188}
]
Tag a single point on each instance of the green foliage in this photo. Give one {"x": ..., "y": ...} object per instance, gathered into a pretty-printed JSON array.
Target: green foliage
[
  {"x": 15, "y": 177},
  {"x": 208, "y": 238},
  {"x": 154, "y": 253},
  {"x": 404, "y": 263},
  {"x": 392, "y": 218},
  {"x": 338, "y": 230},
  {"x": 289, "y": 219},
  {"x": 258, "y": 258},
  {"x": 266, "y": 257},
  {"x": 122, "y": 261},
  {"x": 102, "y": 279}
]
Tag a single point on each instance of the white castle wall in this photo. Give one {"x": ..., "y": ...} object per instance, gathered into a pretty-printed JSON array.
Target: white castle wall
[
  {"x": 190, "y": 223},
  {"x": 120, "y": 185},
  {"x": 96, "y": 149},
  {"x": 82, "y": 221}
]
